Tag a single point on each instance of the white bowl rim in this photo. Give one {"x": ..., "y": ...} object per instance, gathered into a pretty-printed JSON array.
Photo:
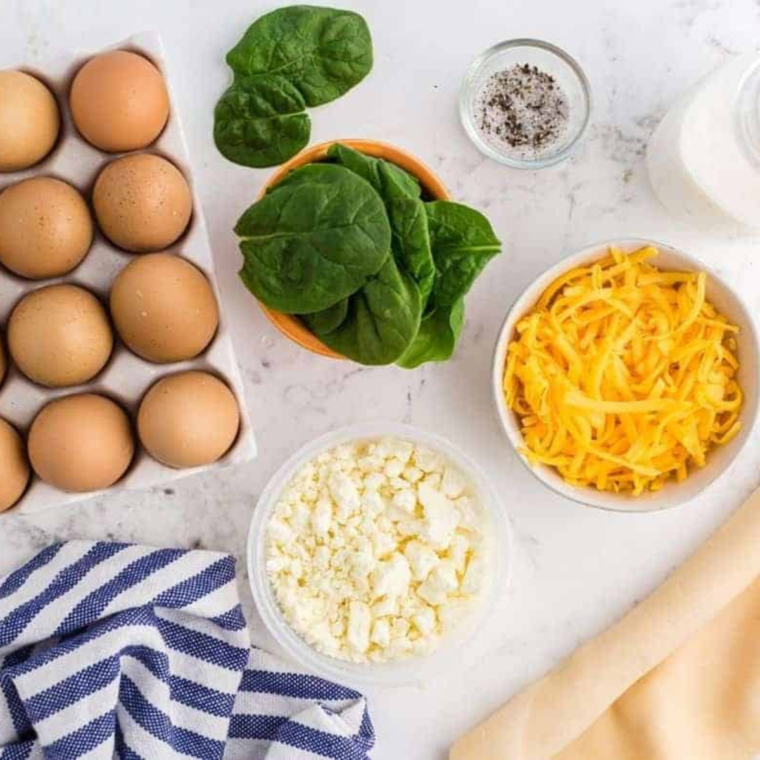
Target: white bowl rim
[
  {"x": 414, "y": 670},
  {"x": 588, "y": 496}
]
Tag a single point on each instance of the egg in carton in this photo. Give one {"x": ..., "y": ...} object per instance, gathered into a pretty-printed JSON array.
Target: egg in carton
[{"x": 126, "y": 377}]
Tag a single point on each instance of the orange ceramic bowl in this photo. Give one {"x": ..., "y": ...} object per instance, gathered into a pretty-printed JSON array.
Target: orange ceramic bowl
[{"x": 288, "y": 324}]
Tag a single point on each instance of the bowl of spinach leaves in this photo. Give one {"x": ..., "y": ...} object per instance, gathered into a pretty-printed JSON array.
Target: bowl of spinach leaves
[{"x": 355, "y": 250}]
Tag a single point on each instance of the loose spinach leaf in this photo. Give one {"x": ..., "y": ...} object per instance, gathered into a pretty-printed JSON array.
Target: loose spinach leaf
[
  {"x": 463, "y": 242},
  {"x": 257, "y": 124},
  {"x": 437, "y": 337},
  {"x": 410, "y": 242},
  {"x": 288, "y": 59},
  {"x": 313, "y": 240},
  {"x": 389, "y": 180},
  {"x": 324, "y": 52},
  {"x": 381, "y": 320}
]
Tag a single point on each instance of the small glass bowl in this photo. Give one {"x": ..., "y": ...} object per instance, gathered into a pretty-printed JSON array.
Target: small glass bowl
[
  {"x": 548, "y": 58},
  {"x": 414, "y": 670}
]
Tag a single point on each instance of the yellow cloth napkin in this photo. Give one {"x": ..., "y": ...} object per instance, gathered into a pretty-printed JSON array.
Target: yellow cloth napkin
[{"x": 678, "y": 678}]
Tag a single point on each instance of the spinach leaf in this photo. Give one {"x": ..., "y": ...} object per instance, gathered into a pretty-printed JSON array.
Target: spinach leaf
[
  {"x": 324, "y": 52},
  {"x": 437, "y": 337},
  {"x": 327, "y": 320},
  {"x": 410, "y": 242},
  {"x": 287, "y": 60},
  {"x": 406, "y": 213},
  {"x": 381, "y": 320},
  {"x": 389, "y": 180},
  {"x": 313, "y": 240},
  {"x": 463, "y": 242},
  {"x": 258, "y": 125}
]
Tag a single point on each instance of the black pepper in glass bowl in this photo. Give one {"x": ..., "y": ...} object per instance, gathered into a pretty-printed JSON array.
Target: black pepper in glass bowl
[{"x": 525, "y": 103}]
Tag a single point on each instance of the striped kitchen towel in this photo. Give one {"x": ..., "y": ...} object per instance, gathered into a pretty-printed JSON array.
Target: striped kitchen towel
[{"x": 117, "y": 650}]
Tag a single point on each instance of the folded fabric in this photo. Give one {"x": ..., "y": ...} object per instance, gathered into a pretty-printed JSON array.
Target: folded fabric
[
  {"x": 678, "y": 678},
  {"x": 117, "y": 650}
]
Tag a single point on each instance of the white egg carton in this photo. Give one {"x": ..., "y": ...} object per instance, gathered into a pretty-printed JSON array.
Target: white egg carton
[{"x": 126, "y": 377}]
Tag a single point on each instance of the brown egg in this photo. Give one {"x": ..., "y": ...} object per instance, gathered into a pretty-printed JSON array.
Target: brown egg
[
  {"x": 164, "y": 308},
  {"x": 188, "y": 419},
  {"x": 60, "y": 336},
  {"x": 3, "y": 363},
  {"x": 29, "y": 121},
  {"x": 119, "y": 101},
  {"x": 142, "y": 202},
  {"x": 46, "y": 228},
  {"x": 81, "y": 443},
  {"x": 14, "y": 469}
]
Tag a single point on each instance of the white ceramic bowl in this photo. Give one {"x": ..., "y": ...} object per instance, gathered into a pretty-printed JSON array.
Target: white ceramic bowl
[
  {"x": 719, "y": 459},
  {"x": 452, "y": 646}
]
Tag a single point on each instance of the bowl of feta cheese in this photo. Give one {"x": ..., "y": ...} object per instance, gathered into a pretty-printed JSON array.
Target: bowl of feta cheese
[{"x": 375, "y": 554}]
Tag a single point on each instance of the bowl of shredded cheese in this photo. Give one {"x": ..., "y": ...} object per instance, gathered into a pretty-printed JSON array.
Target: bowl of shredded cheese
[{"x": 626, "y": 376}]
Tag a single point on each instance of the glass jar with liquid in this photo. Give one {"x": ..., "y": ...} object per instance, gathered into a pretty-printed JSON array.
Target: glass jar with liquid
[{"x": 704, "y": 157}]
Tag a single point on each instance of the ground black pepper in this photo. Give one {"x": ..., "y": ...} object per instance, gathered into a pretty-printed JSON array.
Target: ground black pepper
[{"x": 522, "y": 111}]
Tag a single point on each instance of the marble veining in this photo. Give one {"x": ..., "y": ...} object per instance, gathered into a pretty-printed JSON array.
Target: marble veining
[{"x": 575, "y": 569}]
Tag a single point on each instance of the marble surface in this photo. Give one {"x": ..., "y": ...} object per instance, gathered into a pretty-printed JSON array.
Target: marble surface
[{"x": 576, "y": 569}]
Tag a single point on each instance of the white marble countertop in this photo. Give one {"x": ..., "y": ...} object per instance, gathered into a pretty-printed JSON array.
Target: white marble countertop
[{"x": 576, "y": 569}]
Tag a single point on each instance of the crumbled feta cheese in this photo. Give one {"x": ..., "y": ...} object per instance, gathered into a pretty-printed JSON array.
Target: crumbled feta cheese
[
  {"x": 441, "y": 518},
  {"x": 362, "y": 564},
  {"x": 424, "y": 620},
  {"x": 370, "y": 463},
  {"x": 399, "y": 627},
  {"x": 433, "y": 480},
  {"x": 412, "y": 474},
  {"x": 405, "y": 500},
  {"x": 458, "y": 551},
  {"x": 359, "y": 622},
  {"x": 391, "y": 577},
  {"x": 382, "y": 543},
  {"x": 393, "y": 468},
  {"x": 381, "y": 633},
  {"x": 374, "y": 504},
  {"x": 453, "y": 483},
  {"x": 322, "y": 557},
  {"x": 441, "y": 581},
  {"x": 473, "y": 578},
  {"x": 397, "y": 484},
  {"x": 426, "y": 460},
  {"x": 322, "y": 516},
  {"x": 280, "y": 532},
  {"x": 469, "y": 514},
  {"x": 344, "y": 492},
  {"x": 421, "y": 558},
  {"x": 373, "y": 481},
  {"x": 386, "y": 606},
  {"x": 374, "y": 550},
  {"x": 394, "y": 448}
]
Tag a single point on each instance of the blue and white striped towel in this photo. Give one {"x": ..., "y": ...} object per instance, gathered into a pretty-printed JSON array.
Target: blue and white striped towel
[{"x": 117, "y": 650}]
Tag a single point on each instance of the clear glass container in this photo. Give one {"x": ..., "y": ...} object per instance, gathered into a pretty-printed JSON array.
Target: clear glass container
[
  {"x": 548, "y": 58},
  {"x": 703, "y": 158},
  {"x": 453, "y": 646}
]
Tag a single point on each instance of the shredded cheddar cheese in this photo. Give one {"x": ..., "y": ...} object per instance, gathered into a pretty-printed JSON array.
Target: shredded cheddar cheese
[{"x": 623, "y": 376}]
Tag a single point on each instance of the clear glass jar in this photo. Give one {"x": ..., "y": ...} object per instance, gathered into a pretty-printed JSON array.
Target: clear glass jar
[{"x": 704, "y": 157}]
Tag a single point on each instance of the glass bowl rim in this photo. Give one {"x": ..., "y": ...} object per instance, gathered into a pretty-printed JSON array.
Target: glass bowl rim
[{"x": 465, "y": 97}]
